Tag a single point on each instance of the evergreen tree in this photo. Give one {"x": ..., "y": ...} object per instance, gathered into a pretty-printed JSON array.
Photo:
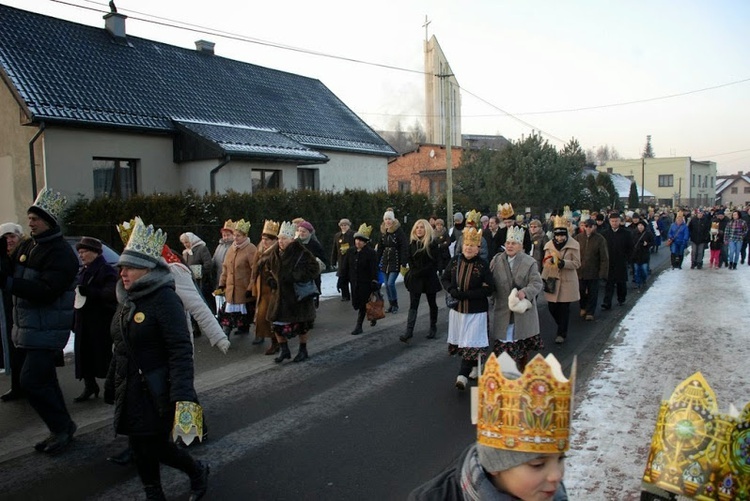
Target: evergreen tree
[
  {"x": 648, "y": 151},
  {"x": 633, "y": 201}
]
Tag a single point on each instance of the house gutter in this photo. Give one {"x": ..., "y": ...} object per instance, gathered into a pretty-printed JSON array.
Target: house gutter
[
  {"x": 216, "y": 169},
  {"x": 32, "y": 159}
]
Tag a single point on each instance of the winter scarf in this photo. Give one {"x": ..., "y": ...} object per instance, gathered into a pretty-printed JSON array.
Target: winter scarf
[{"x": 147, "y": 284}]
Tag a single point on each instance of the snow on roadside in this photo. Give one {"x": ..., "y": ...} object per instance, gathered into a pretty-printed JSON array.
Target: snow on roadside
[{"x": 687, "y": 321}]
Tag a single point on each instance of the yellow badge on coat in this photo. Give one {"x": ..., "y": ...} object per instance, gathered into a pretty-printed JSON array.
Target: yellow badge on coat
[
  {"x": 22, "y": 258},
  {"x": 139, "y": 317}
]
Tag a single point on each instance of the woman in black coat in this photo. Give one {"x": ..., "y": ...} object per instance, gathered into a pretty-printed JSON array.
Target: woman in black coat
[
  {"x": 290, "y": 317},
  {"x": 393, "y": 253},
  {"x": 94, "y": 306},
  {"x": 152, "y": 368},
  {"x": 359, "y": 267},
  {"x": 421, "y": 278}
]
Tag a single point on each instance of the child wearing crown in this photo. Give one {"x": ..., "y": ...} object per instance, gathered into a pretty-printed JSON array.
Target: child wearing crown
[
  {"x": 715, "y": 244},
  {"x": 521, "y": 437}
]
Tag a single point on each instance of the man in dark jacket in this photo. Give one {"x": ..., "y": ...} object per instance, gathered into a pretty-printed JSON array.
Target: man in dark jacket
[
  {"x": 594, "y": 267},
  {"x": 42, "y": 285},
  {"x": 342, "y": 241},
  {"x": 493, "y": 235},
  {"x": 619, "y": 247},
  {"x": 699, "y": 228}
]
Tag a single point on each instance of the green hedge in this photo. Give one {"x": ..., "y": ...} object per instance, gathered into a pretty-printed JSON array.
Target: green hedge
[{"x": 204, "y": 215}]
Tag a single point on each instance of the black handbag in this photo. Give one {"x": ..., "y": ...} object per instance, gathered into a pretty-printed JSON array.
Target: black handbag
[
  {"x": 304, "y": 290},
  {"x": 450, "y": 301},
  {"x": 550, "y": 285}
]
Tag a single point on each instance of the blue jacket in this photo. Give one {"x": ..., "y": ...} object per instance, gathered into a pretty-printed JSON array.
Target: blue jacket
[{"x": 43, "y": 288}]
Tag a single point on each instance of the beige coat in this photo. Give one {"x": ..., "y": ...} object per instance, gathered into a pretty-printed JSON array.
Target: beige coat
[
  {"x": 525, "y": 277},
  {"x": 236, "y": 272},
  {"x": 567, "y": 283}
]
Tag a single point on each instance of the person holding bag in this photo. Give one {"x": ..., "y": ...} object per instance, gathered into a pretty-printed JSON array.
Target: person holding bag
[
  {"x": 291, "y": 317},
  {"x": 562, "y": 257},
  {"x": 421, "y": 278},
  {"x": 151, "y": 372},
  {"x": 359, "y": 268}
]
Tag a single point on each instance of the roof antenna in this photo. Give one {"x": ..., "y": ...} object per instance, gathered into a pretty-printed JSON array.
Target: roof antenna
[{"x": 112, "y": 7}]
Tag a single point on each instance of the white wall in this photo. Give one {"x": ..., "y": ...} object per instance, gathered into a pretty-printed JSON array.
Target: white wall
[
  {"x": 346, "y": 170},
  {"x": 69, "y": 155}
]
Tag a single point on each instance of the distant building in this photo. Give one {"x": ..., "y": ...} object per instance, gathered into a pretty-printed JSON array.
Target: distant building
[
  {"x": 96, "y": 112},
  {"x": 733, "y": 190},
  {"x": 676, "y": 181},
  {"x": 442, "y": 95}
]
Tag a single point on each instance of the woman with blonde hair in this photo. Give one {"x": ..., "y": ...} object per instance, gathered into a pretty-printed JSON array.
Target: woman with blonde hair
[{"x": 421, "y": 278}]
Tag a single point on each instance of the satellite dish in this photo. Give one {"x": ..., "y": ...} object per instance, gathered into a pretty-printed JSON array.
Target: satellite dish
[{"x": 432, "y": 153}]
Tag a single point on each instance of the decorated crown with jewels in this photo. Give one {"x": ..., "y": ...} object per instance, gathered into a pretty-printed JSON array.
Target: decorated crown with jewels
[
  {"x": 529, "y": 414},
  {"x": 472, "y": 236},
  {"x": 287, "y": 229},
  {"x": 51, "y": 202},
  {"x": 505, "y": 210},
  {"x": 146, "y": 240},
  {"x": 696, "y": 451},
  {"x": 473, "y": 217},
  {"x": 228, "y": 225},
  {"x": 515, "y": 234},
  {"x": 270, "y": 228},
  {"x": 560, "y": 222},
  {"x": 242, "y": 226}
]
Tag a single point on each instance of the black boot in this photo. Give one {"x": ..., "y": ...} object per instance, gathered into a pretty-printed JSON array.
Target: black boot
[
  {"x": 90, "y": 389},
  {"x": 410, "y": 321},
  {"x": 360, "y": 318},
  {"x": 285, "y": 353},
  {"x": 302, "y": 354},
  {"x": 433, "y": 323},
  {"x": 199, "y": 483},
  {"x": 154, "y": 492}
]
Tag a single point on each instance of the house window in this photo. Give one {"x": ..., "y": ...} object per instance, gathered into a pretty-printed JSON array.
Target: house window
[
  {"x": 746, "y": 189},
  {"x": 609, "y": 170},
  {"x": 734, "y": 190},
  {"x": 308, "y": 179},
  {"x": 692, "y": 181},
  {"x": 699, "y": 180},
  {"x": 437, "y": 187},
  {"x": 404, "y": 186},
  {"x": 114, "y": 177},
  {"x": 265, "y": 179},
  {"x": 666, "y": 180}
]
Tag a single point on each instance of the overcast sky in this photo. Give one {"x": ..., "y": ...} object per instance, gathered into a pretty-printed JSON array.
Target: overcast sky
[{"x": 535, "y": 60}]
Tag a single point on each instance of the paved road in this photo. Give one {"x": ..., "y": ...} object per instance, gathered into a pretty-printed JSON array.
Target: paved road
[{"x": 366, "y": 417}]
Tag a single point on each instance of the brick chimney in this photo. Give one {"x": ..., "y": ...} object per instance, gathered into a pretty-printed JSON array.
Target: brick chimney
[
  {"x": 205, "y": 47},
  {"x": 739, "y": 173},
  {"x": 114, "y": 23}
]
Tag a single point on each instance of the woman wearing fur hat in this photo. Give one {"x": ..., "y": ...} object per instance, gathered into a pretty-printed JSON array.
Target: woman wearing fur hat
[
  {"x": 393, "y": 253},
  {"x": 235, "y": 282},
  {"x": 359, "y": 268},
  {"x": 515, "y": 332},
  {"x": 562, "y": 257},
  {"x": 468, "y": 281},
  {"x": 95, "y": 304},
  {"x": 291, "y": 317},
  {"x": 264, "y": 264},
  {"x": 422, "y": 276}
]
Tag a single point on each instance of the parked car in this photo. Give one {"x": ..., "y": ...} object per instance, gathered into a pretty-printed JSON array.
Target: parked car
[{"x": 110, "y": 255}]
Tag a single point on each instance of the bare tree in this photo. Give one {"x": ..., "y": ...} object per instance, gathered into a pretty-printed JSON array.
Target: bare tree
[{"x": 601, "y": 155}]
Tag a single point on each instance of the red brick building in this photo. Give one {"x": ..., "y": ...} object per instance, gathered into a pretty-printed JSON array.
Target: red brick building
[{"x": 422, "y": 170}]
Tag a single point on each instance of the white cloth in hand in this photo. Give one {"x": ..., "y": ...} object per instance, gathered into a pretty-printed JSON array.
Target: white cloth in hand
[
  {"x": 223, "y": 345},
  {"x": 518, "y": 305}
]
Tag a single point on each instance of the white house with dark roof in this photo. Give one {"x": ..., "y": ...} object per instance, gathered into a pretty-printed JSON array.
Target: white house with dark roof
[
  {"x": 733, "y": 190},
  {"x": 92, "y": 111}
]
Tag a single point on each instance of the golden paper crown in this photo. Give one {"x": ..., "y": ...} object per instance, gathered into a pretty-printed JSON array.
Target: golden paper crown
[
  {"x": 146, "y": 240},
  {"x": 528, "y": 414},
  {"x": 125, "y": 229},
  {"x": 560, "y": 222},
  {"x": 715, "y": 225},
  {"x": 472, "y": 236},
  {"x": 51, "y": 202},
  {"x": 505, "y": 210},
  {"x": 473, "y": 217},
  {"x": 288, "y": 230},
  {"x": 695, "y": 450},
  {"x": 515, "y": 234},
  {"x": 271, "y": 228},
  {"x": 567, "y": 213},
  {"x": 242, "y": 226},
  {"x": 228, "y": 225},
  {"x": 364, "y": 231},
  {"x": 585, "y": 215}
]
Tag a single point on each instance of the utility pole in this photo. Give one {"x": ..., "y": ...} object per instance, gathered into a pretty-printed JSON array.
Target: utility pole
[
  {"x": 448, "y": 149},
  {"x": 643, "y": 175}
]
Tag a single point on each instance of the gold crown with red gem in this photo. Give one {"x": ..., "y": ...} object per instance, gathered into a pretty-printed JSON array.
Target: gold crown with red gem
[
  {"x": 529, "y": 414},
  {"x": 472, "y": 236},
  {"x": 696, "y": 451}
]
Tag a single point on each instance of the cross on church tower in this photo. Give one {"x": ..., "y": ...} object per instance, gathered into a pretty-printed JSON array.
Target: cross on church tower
[{"x": 426, "y": 27}]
